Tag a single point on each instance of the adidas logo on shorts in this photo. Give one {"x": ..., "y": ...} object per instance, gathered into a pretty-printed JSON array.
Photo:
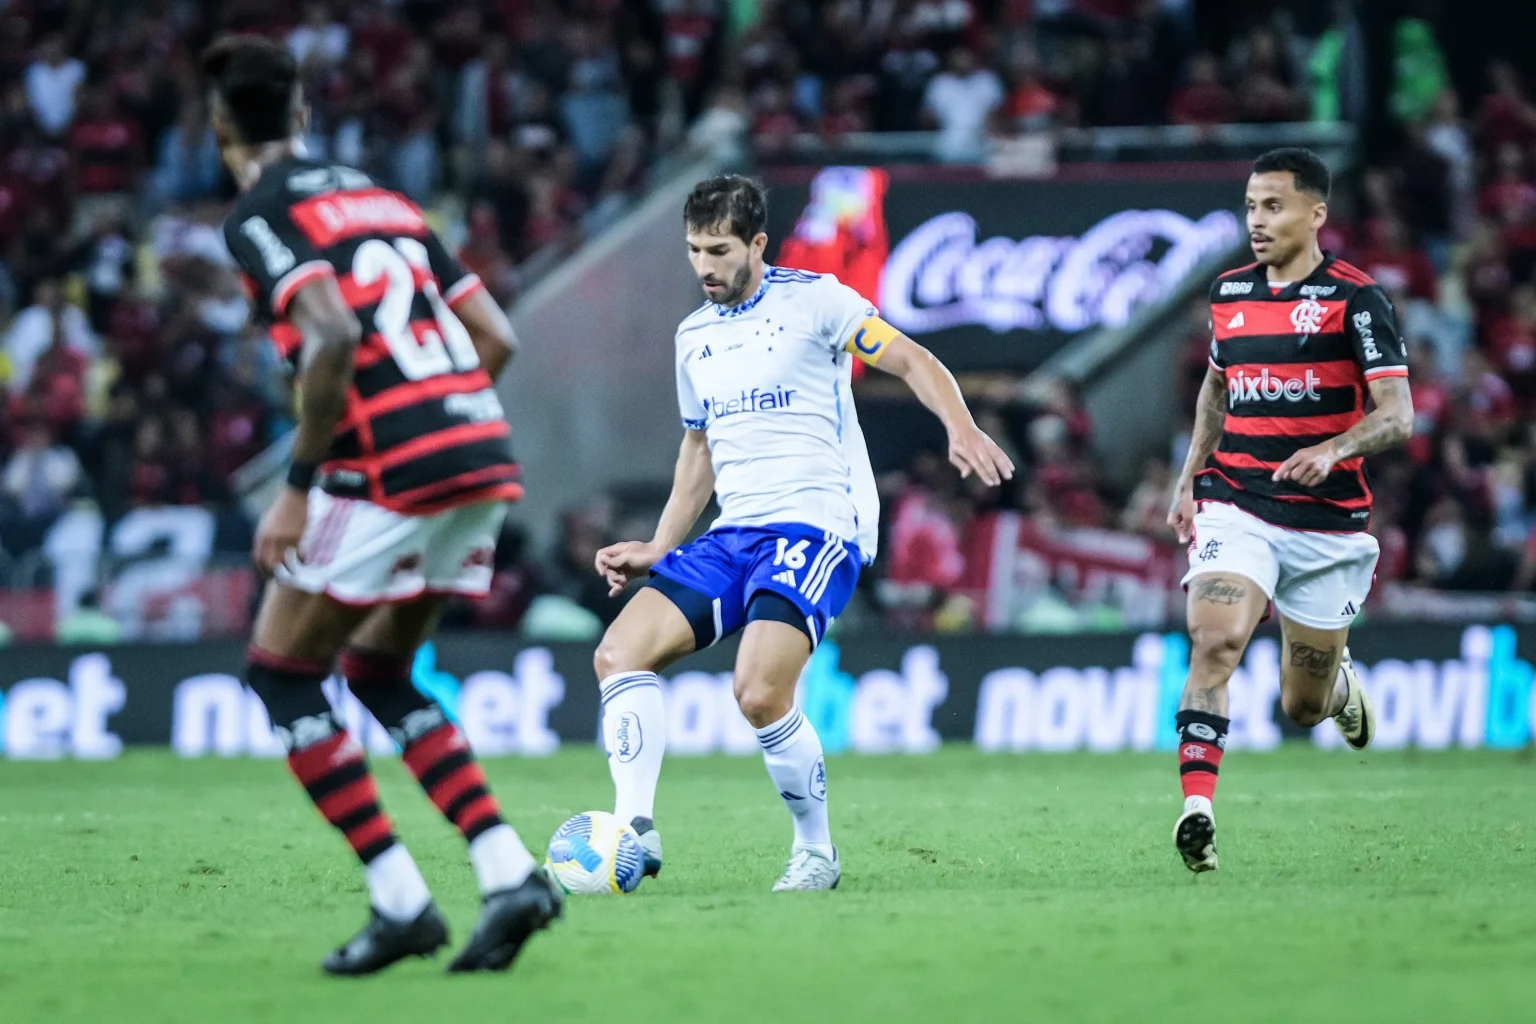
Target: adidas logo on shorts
[{"x": 787, "y": 577}]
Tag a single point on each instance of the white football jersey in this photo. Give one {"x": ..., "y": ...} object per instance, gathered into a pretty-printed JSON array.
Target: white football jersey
[{"x": 768, "y": 381}]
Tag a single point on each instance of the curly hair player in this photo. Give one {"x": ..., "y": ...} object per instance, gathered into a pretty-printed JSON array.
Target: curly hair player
[{"x": 401, "y": 473}]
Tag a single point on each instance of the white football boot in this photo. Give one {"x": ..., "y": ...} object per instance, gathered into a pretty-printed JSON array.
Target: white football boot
[
  {"x": 809, "y": 871},
  {"x": 1357, "y": 718}
]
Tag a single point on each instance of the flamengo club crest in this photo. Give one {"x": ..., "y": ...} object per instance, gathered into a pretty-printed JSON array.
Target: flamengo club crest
[{"x": 1307, "y": 317}]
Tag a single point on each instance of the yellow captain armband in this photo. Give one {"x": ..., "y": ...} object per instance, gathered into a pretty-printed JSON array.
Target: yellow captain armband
[{"x": 870, "y": 338}]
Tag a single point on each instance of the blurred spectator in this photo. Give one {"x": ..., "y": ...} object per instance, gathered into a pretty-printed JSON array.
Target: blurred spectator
[
  {"x": 47, "y": 322},
  {"x": 1400, "y": 268},
  {"x": 187, "y": 165},
  {"x": 1146, "y": 511},
  {"x": 319, "y": 38},
  {"x": 51, "y": 82},
  {"x": 1419, "y": 70},
  {"x": 1204, "y": 101},
  {"x": 1507, "y": 113},
  {"x": 924, "y": 539},
  {"x": 959, "y": 101},
  {"x": 35, "y": 486},
  {"x": 1447, "y": 136},
  {"x": 1031, "y": 105},
  {"x": 482, "y": 252},
  {"x": 905, "y": 71},
  {"x": 582, "y": 534},
  {"x": 106, "y": 144},
  {"x": 1512, "y": 347},
  {"x": 1264, "y": 85}
]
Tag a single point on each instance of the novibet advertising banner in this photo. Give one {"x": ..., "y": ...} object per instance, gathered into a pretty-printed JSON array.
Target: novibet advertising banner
[{"x": 1434, "y": 686}]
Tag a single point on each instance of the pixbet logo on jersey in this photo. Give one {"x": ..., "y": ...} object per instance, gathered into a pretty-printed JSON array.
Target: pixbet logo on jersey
[{"x": 1267, "y": 387}]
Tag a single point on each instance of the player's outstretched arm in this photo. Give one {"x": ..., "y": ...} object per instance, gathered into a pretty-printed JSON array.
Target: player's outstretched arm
[
  {"x": 1210, "y": 418},
  {"x": 331, "y": 333},
  {"x": 970, "y": 449},
  {"x": 494, "y": 339},
  {"x": 1389, "y": 424},
  {"x": 693, "y": 481}
]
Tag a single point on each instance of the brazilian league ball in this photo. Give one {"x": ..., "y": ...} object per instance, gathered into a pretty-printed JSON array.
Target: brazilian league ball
[{"x": 595, "y": 853}]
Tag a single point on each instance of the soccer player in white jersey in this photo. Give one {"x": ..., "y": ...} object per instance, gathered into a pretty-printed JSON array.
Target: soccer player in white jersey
[{"x": 763, "y": 373}]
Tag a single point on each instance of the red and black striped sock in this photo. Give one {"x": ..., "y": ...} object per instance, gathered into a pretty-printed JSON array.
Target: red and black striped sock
[
  {"x": 433, "y": 747},
  {"x": 337, "y": 778},
  {"x": 442, "y": 763},
  {"x": 1202, "y": 738}
]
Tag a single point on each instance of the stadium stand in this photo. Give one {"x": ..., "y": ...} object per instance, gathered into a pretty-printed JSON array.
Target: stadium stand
[{"x": 130, "y": 379}]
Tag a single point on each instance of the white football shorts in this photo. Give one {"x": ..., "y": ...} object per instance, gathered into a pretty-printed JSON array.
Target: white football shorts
[
  {"x": 357, "y": 552},
  {"x": 1314, "y": 578}
]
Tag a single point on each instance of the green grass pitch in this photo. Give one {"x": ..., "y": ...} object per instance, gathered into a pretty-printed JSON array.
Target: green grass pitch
[{"x": 1388, "y": 887}]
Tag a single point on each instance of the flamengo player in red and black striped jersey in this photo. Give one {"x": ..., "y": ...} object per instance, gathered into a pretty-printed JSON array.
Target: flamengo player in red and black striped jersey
[
  {"x": 401, "y": 471},
  {"x": 1273, "y": 500}
]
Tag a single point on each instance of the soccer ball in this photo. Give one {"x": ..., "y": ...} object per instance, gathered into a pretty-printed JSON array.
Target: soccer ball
[{"x": 595, "y": 853}]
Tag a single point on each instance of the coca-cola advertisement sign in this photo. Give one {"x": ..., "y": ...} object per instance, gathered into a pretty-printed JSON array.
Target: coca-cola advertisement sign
[{"x": 999, "y": 274}]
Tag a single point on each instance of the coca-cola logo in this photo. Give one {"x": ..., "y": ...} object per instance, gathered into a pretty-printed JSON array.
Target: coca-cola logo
[{"x": 940, "y": 276}]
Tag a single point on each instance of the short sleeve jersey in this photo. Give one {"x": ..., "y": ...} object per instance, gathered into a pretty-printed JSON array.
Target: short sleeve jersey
[
  {"x": 1296, "y": 360},
  {"x": 769, "y": 382},
  {"x": 423, "y": 430}
]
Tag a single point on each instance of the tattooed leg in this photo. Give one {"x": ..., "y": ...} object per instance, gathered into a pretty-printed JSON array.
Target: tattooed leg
[
  {"x": 1222, "y": 609},
  {"x": 1311, "y": 686}
]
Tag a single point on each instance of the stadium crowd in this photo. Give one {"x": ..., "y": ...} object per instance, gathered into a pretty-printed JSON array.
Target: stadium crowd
[{"x": 130, "y": 378}]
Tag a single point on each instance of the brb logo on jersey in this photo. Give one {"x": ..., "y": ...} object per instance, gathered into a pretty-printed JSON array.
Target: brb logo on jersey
[
  {"x": 1308, "y": 315},
  {"x": 1268, "y": 387}
]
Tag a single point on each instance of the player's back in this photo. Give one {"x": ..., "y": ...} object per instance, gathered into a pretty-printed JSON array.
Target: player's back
[
  {"x": 423, "y": 429},
  {"x": 768, "y": 381}
]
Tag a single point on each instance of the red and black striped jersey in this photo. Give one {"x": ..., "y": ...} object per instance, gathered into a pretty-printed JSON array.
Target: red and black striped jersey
[
  {"x": 423, "y": 430},
  {"x": 1296, "y": 359}
]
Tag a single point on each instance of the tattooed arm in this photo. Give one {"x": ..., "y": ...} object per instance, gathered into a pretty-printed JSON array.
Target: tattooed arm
[
  {"x": 1210, "y": 418},
  {"x": 1387, "y": 425}
]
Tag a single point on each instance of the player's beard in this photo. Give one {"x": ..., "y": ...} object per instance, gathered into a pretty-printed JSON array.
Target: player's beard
[{"x": 738, "y": 289}]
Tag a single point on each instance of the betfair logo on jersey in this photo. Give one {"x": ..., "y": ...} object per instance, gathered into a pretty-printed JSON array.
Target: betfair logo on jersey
[
  {"x": 1269, "y": 387},
  {"x": 777, "y": 399}
]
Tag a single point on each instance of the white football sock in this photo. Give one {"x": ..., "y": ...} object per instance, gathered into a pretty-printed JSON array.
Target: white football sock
[
  {"x": 792, "y": 753},
  {"x": 500, "y": 859},
  {"x": 635, "y": 735},
  {"x": 395, "y": 884}
]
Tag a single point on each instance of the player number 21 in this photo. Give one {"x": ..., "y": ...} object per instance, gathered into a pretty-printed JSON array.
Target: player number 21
[
  {"x": 794, "y": 557},
  {"x": 446, "y": 349}
]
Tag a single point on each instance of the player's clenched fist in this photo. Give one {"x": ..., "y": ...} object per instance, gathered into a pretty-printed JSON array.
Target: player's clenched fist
[
  {"x": 628, "y": 560},
  {"x": 972, "y": 451},
  {"x": 1181, "y": 514},
  {"x": 281, "y": 528}
]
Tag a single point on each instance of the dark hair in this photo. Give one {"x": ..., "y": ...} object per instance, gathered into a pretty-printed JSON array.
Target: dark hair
[
  {"x": 738, "y": 203},
  {"x": 1310, "y": 171},
  {"x": 256, "y": 78}
]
